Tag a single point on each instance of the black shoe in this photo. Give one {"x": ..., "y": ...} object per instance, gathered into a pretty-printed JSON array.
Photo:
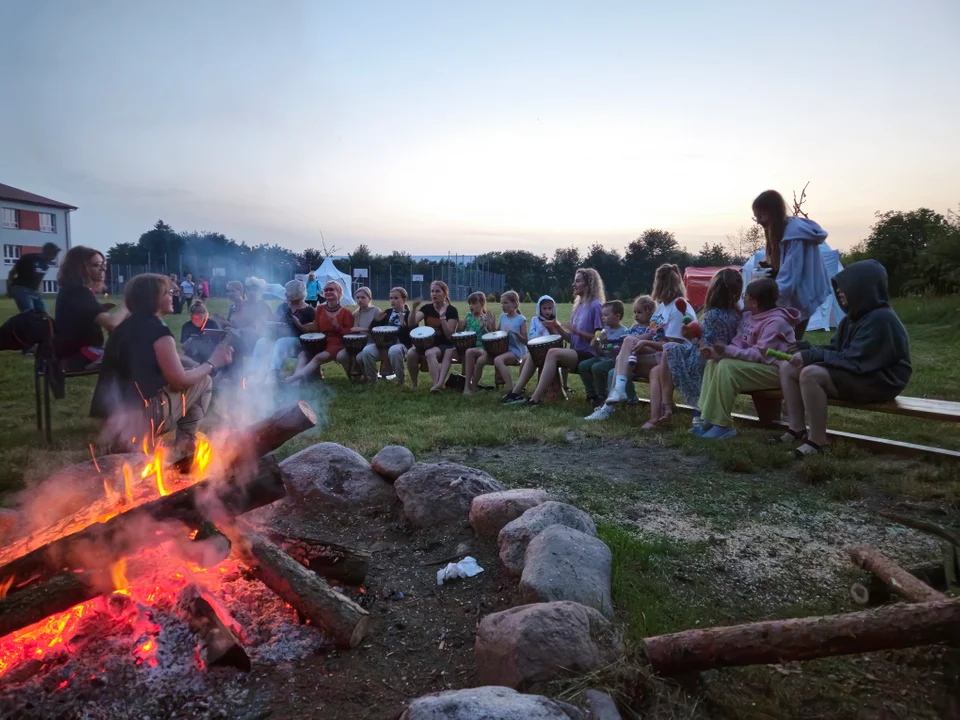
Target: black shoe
[
  {"x": 532, "y": 403},
  {"x": 510, "y": 397}
]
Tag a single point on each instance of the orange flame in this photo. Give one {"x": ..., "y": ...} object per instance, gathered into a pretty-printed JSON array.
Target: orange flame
[
  {"x": 127, "y": 488},
  {"x": 95, "y": 464},
  {"x": 118, "y": 572},
  {"x": 183, "y": 403},
  {"x": 202, "y": 457},
  {"x": 111, "y": 494},
  {"x": 5, "y": 587}
]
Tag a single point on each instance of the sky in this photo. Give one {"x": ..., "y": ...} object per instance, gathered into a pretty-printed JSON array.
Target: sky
[{"x": 471, "y": 127}]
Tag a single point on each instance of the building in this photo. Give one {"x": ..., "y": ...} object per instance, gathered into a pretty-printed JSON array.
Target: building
[{"x": 27, "y": 223}]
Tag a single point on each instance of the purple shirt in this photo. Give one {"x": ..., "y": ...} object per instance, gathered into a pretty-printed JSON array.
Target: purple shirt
[{"x": 586, "y": 318}]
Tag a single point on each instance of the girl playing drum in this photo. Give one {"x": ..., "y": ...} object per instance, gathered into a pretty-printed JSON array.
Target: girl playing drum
[{"x": 443, "y": 317}]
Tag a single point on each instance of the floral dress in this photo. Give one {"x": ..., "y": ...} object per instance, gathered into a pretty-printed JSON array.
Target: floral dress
[{"x": 686, "y": 365}]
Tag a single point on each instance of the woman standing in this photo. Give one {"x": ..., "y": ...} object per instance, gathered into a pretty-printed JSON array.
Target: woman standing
[
  {"x": 443, "y": 317},
  {"x": 792, "y": 257},
  {"x": 313, "y": 290},
  {"x": 332, "y": 319},
  {"x": 142, "y": 383},
  {"x": 585, "y": 321},
  {"x": 80, "y": 317}
]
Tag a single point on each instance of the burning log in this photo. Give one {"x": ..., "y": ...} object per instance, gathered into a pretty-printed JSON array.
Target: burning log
[
  {"x": 219, "y": 645},
  {"x": 272, "y": 432},
  {"x": 326, "y": 558},
  {"x": 894, "y": 576},
  {"x": 98, "y": 546},
  {"x": 338, "y": 615},
  {"x": 58, "y": 594},
  {"x": 778, "y": 641}
]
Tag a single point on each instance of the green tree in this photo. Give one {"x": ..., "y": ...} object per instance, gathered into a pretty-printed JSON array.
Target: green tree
[
  {"x": 608, "y": 263},
  {"x": 713, "y": 256},
  {"x": 900, "y": 241},
  {"x": 309, "y": 260}
]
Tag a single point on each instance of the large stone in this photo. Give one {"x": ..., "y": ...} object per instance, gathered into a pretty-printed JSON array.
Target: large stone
[
  {"x": 330, "y": 473},
  {"x": 600, "y": 706},
  {"x": 488, "y": 703},
  {"x": 541, "y": 642},
  {"x": 441, "y": 494},
  {"x": 490, "y": 512},
  {"x": 392, "y": 461},
  {"x": 565, "y": 564},
  {"x": 517, "y": 534}
]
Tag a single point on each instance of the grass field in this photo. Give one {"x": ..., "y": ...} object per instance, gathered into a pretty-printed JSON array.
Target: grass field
[{"x": 697, "y": 529}]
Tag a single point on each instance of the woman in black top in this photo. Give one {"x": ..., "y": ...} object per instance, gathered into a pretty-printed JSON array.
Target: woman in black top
[
  {"x": 143, "y": 386},
  {"x": 443, "y": 317},
  {"x": 80, "y": 318},
  {"x": 396, "y": 355},
  {"x": 291, "y": 316}
]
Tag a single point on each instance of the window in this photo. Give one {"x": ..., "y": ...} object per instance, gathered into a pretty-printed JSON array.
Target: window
[
  {"x": 48, "y": 223},
  {"x": 11, "y": 253},
  {"x": 10, "y": 218},
  {"x": 50, "y": 286}
]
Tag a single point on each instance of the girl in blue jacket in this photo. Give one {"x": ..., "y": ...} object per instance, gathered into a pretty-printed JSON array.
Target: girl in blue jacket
[{"x": 792, "y": 256}]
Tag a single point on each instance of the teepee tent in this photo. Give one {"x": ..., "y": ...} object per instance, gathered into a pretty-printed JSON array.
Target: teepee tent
[
  {"x": 328, "y": 271},
  {"x": 829, "y": 314}
]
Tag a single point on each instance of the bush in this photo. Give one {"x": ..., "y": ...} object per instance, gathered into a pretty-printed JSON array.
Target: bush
[
  {"x": 492, "y": 298},
  {"x": 527, "y": 298}
]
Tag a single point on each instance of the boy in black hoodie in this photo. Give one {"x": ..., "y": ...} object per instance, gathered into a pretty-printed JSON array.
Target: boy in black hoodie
[{"x": 867, "y": 360}]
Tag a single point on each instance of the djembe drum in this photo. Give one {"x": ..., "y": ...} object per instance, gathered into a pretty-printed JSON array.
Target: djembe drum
[
  {"x": 313, "y": 343},
  {"x": 423, "y": 339},
  {"x": 463, "y": 341},
  {"x": 537, "y": 349},
  {"x": 495, "y": 343},
  {"x": 353, "y": 344},
  {"x": 386, "y": 336}
]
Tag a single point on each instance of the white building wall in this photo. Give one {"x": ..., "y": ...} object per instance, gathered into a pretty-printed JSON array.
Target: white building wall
[{"x": 33, "y": 238}]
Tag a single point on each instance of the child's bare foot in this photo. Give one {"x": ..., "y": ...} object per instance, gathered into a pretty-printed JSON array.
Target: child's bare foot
[{"x": 436, "y": 388}]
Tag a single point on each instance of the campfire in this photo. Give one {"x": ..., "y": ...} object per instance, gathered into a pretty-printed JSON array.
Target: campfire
[{"x": 152, "y": 557}]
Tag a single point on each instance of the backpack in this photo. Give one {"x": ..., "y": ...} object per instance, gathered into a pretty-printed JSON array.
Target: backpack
[{"x": 26, "y": 329}]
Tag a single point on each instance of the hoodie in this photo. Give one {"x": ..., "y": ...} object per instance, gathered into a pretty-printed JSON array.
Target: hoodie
[
  {"x": 802, "y": 278},
  {"x": 760, "y": 331},
  {"x": 537, "y": 328},
  {"x": 870, "y": 341}
]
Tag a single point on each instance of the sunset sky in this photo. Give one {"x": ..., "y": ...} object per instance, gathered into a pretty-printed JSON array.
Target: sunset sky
[{"x": 468, "y": 127}]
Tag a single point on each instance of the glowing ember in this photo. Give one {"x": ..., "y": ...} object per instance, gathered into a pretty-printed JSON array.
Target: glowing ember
[
  {"x": 127, "y": 488},
  {"x": 5, "y": 586},
  {"x": 118, "y": 572},
  {"x": 92, "y": 455},
  {"x": 202, "y": 457}
]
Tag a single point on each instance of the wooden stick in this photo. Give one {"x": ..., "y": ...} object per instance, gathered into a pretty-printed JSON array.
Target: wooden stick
[
  {"x": 923, "y": 525},
  {"x": 777, "y": 641},
  {"x": 344, "y": 620},
  {"x": 894, "y": 576},
  {"x": 326, "y": 558},
  {"x": 58, "y": 594},
  {"x": 219, "y": 645},
  {"x": 100, "y": 545},
  {"x": 269, "y": 434}
]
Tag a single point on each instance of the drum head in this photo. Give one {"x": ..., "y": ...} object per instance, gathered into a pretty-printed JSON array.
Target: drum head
[
  {"x": 496, "y": 335},
  {"x": 545, "y": 340},
  {"x": 355, "y": 336},
  {"x": 422, "y": 333},
  {"x": 384, "y": 329},
  {"x": 465, "y": 335},
  {"x": 313, "y": 336}
]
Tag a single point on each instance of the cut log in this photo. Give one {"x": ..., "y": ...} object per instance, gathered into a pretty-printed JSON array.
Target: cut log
[
  {"x": 326, "y": 558},
  {"x": 58, "y": 594},
  {"x": 894, "y": 576},
  {"x": 98, "y": 546},
  {"x": 269, "y": 434},
  {"x": 344, "y": 620},
  {"x": 219, "y": 644},
  {"x": 779, "y": 641}
]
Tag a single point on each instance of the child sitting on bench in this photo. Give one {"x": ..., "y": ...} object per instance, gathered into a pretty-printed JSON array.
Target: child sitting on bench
[
  {"x": 867, "y": 360},
  {"x": 743, "y": 365}
]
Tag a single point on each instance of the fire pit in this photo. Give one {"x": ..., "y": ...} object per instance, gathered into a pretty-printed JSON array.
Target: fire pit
[{"x": 160, "y": 577}]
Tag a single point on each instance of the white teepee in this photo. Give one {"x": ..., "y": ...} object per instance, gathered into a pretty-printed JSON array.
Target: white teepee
[{"x": 328, "y": 271}]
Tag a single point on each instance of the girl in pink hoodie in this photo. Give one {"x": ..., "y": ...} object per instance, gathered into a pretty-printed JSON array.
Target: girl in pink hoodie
[{"x": 743, "y": 365}]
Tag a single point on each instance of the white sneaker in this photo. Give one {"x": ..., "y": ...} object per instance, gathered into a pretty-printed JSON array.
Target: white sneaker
[
  {"x": 616, "y": 396},
  {"x": 602, "y": 412}
]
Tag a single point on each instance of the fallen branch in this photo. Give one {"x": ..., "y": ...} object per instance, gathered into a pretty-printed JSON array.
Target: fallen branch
[
  {"x": 894, "y": 576},
  {"x": 779, "y": 641},
  {"x": 923, "y": 525},
  {"x": 58, "y": 594},
  {"x": 219, "y": 645},
  {"x": 326, "y": 558},
  {"x": 344, "y": 620}
]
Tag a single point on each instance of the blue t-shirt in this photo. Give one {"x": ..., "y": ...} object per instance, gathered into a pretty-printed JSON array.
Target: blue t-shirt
[
  {"x": 614, "y": 341},
  {"x": 513, "y": 342}
]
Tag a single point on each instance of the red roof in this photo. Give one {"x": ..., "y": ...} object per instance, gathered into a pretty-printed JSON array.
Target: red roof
[{"x": 12, "y": 193}]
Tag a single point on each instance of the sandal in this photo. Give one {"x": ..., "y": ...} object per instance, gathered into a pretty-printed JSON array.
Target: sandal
[
  {"x": 789, "y": 437},
  {"x": 809, "y": 448},
  {"x": 661, "y": 422}
]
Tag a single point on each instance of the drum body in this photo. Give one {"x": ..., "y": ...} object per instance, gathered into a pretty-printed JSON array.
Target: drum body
[
  {"x": 538, "y": 348},
  {"x": 386, "y": 336},
  {"x": 354, "y": 343},
  {"x": 423, "y": 338},
  {"x": 463, "y": 341},
  {"x": 313, "y": 343},
  {"x": 495, "y": 343}
]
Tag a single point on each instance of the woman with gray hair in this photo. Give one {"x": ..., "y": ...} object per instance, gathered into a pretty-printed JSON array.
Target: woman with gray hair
[{"x": 284, "y": 340}]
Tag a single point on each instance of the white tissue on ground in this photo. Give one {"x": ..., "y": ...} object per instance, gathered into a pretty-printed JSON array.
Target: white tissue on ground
[{"x": 465, "y": 568}]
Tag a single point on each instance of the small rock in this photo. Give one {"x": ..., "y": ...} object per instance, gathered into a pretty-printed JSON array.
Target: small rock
[
  {"x": 332, "y": 474},
  {"x": 487, "y": 703},
  {"x": 490, "y": 512},
  {"x": 600, "y": 706},
  {"x": 440, "y": 494},
  {"x": 392, "y": 461},
  {"x": 541, "y": 642},
  {"x": 517, "y": 534},
  {"x": 565, "y": 564}
]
